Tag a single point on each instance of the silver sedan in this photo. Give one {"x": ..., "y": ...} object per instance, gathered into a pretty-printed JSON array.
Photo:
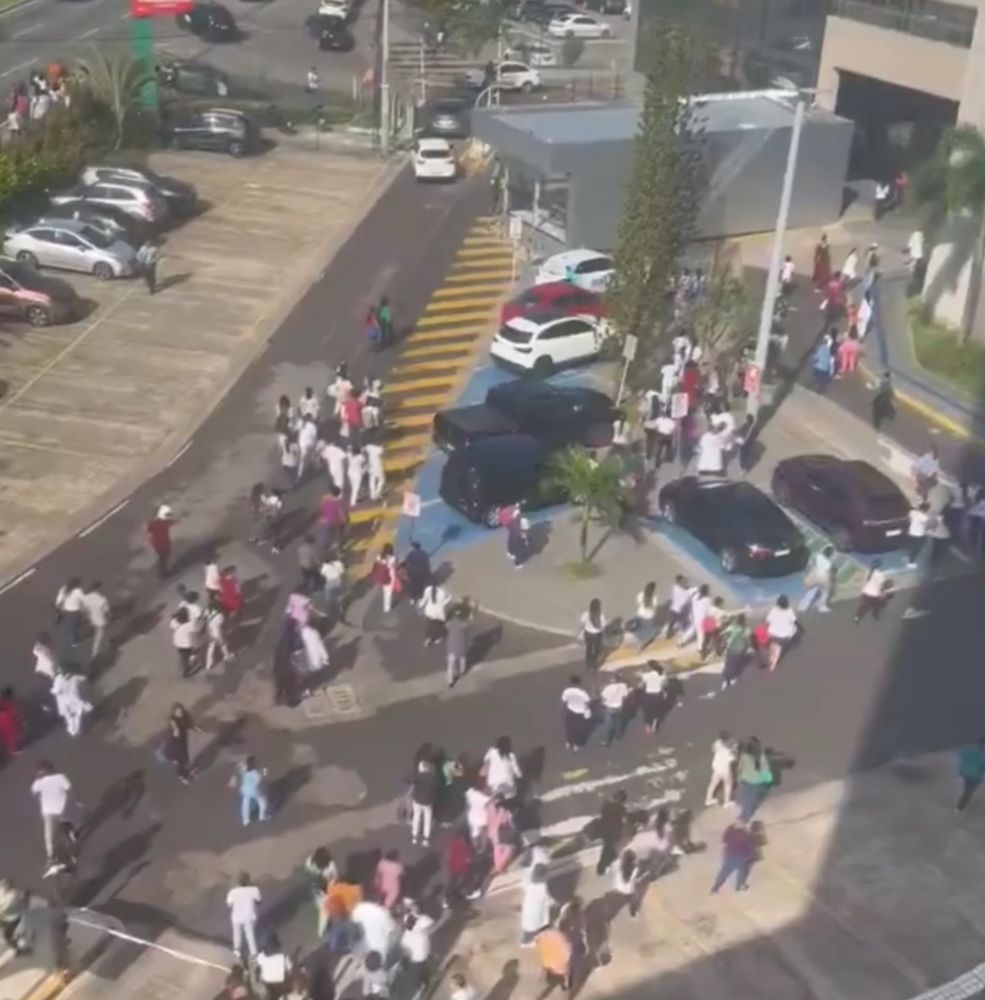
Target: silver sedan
[{"x": 73, "y": 245}]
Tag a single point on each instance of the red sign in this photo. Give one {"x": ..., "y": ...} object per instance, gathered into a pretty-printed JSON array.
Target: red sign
[
  {"x": 159, "y": 8},
  {"x": 751, "y": 380}
]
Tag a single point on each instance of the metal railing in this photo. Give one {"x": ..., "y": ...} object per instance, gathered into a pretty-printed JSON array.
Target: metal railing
[{"x": 953, "y": 24}]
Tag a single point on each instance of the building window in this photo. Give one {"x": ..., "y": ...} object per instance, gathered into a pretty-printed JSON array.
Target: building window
[{"x": 934, "y": 19}]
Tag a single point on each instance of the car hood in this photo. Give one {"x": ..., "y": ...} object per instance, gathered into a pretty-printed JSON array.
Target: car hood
[{"x": 120, "y": 250}]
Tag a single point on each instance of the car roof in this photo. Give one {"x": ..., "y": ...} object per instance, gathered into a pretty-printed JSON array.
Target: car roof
[
  {"x": 504, "y": 450},
  {"x": 572, "y": 257},
  {"x": 536, "y": 321},
  {"x": 525, "y": 391},
  {"x": 69, "y": 225},
  {"x": 434, "y": 144},
  {"x": 870, "y": 480}
]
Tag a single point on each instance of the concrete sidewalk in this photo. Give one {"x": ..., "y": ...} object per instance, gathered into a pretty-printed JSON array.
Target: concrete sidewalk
[
  {"x": 864, "y": 888},
  {"x": 90, "y": 409}
]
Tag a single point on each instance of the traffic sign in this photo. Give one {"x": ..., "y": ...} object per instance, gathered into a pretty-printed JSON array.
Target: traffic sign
[
  {"x": 412, "y": 504},
  {"x": 629, "y": 346},
  {"x": 751, "y": 380}
]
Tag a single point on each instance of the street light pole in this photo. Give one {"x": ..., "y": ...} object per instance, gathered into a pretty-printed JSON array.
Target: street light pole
[
  {"x": 385, "y": 77},
  {"x": 776, "y": 254}
]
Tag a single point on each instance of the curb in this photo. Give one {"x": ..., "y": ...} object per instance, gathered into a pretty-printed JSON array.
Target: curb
[{"x": 169, "y": 449}]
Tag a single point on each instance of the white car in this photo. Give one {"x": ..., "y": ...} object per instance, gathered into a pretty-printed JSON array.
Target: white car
[
  {"x": 578, "y": 26},
  {"x": 587, "y": 269},
  {"x": 543, "y": 344},
  {"x": 511, "y": 75},
  {"x": 434, "y": 161},
  {"x": 535, "y": 53},
  {"x": 73, "y": 245},
  {"x": 334, "y": 8}
]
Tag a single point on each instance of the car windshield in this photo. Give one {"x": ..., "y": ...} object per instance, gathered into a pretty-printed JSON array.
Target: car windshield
[
  {"x": 435, "y": 154},
  {"x": 594, "y": 265},
  {"x": 515, "y": 336},
  {"x": 95, "y": 236}
]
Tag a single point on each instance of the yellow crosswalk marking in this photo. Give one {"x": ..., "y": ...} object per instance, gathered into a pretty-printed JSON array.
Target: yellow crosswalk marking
[
  {"x": 476, "y": 302},
  {"x": 411, "y": 420},
  {"x": 406, "y": 440},
  {"x": 485, "y": 240},
  {"x": 364, "y": 515},
  {"x": 416, "y": 384},
  {"x": 462, "y": 274},
  {"x": 426, "y": 366},
  {"x": 456, "y": 351},
  {"x": 426, "y": 336},
  {"x": 465, "y": 316},
  {"x": 403, "y": 461},
  {"x": 465, "y": 290},
  {"x": 418, "y": 402},
  {"x": 472, "y": 255}
]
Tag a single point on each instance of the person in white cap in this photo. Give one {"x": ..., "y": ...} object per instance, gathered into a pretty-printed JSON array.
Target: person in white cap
[{"x": 159, "y": 534}]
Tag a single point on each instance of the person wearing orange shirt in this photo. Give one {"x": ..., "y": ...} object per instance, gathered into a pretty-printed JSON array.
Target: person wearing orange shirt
[
  {"x": 341, "y": 898},
  {"x": 554, "y": 952}
]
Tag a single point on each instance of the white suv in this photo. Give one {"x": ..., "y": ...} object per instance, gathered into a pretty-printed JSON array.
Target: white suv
[
  {"x": 541, "y": 344},
  {"x": 510, "y": 75},
  {"x": 434, "y": 161},
  {"x": 134, "y": 199}
]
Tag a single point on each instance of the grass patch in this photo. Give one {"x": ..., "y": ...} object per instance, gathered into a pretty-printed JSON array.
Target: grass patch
[
  {"x": 582, "y": 570},
  {"x": 939, "y": 350}
]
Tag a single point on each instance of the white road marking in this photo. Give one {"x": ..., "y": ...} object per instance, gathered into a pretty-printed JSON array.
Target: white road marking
[
  {"x": 579, "y": 787},
  {"x": 28, "y": 29},
  {"x": 915, "y": 613},
  {"x": 89, "y": 33},
  {"x": 95, "y": 524},
  {"x": 19, "y": 579},
  {"x": 958, "y": 554},
  {"x": 18, "y": 67},
  {"x": 20, "y": 8},
  {"x": 184, "y": 448}
]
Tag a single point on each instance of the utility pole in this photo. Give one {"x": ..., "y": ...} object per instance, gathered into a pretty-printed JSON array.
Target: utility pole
[
  {"x": 755, "y": 390},
  {"x": 385, "y": 77}
]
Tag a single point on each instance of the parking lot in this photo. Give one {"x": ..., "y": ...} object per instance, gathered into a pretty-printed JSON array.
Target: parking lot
[{"x": 86, "y": 407}]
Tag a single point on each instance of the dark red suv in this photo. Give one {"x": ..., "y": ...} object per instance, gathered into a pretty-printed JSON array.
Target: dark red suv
[
  {"x": 39, "y": 299},
  {"x": 556, "y": 297}
]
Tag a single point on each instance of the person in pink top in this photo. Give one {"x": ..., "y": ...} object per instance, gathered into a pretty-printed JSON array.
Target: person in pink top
[
  {"x": 848, "y": 351},
  {"x": 389, "y": 879},
  {"x": 502, "y": 835}
]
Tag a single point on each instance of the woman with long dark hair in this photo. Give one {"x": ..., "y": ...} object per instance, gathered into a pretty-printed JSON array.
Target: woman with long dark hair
[{"x": 592, "y": 632}]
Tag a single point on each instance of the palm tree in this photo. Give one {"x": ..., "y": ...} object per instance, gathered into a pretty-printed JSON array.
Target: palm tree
[
  {"x": 116, "y": 80},
  {"x": 594, "y": 486},
  {"x": 952, "y": 184}
]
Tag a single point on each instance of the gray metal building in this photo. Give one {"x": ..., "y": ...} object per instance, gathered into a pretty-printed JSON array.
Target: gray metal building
[{"x": 568, "y": 166}]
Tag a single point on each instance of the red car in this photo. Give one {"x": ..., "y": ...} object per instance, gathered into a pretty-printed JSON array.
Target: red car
[{"x": 556, "y": 297}]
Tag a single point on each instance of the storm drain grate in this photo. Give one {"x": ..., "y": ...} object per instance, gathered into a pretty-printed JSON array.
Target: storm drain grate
[{"x": 342, "y": 699}]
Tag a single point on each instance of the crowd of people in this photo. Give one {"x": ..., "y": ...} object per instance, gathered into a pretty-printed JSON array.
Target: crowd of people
[{"x": 30, "y": 101}]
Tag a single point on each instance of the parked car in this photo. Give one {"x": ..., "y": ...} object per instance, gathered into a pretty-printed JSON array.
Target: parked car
[
  {"x": 113, "y": 221},
  {"x": 558, "y": 416},
  {"x": 193, "y": 79},
  {"x": 533, "y": 54},
  {"x": 219, "y": 129},
  {"x": 542, "y": 12},
  {"x": 542, "y": 343},
  {"x": 74, "y": 246},
  {"x": 210, "y": 21},
  {"x": 578, "y": 26},
  {"x": 331, "y": 33},
  {"x": 510, "y": 76},
  {"x": 448, "y": 117},
  {"x": 495, "y": 473},
  {"x": 38, "y": 298},
  {"x": 747, "y": 531},
  {"x": 559, "y": 297},
  {"x": 434, "y": 161},
  {"x": 334, "y": 8},
  {"x": 133, "y": 198},
  {"x": 587, "y": 269},
  {"x": 859, "y": 506},
  {"x": 180, "y": 196}
]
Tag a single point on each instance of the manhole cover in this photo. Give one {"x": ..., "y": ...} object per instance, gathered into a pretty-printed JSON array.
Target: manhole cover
[{"x": 342, "y": 699}]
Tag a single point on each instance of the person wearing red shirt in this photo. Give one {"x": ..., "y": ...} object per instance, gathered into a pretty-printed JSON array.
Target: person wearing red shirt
[
  {"x": 457, "y": 861},
  {"x": 159, "y": 535},
  {"x": 332, "y": 519},
  {"x": 11, "y": 723},
  {"x": 230, "y": 592}
]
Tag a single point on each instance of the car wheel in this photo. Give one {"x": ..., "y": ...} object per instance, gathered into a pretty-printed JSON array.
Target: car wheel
[
  {"x": 781, "y": 490},
  {"x": 669, "y": 511},
  {"x": 543, "y": 366},
  {"x": 842, "y": 540},
  {"x": 527, "y": 86},
  {"x": 38, "y": 316},
  {"x": 237, "y": 149},
  {"x": 491, "y": 517},
  {"x": 569, "y": 34},
  {"x": 606, "y": 33},
  {"x": 26, "y": 257},
  {"x": 102, "y": 271},
  {"x": 730, "y": 560}
]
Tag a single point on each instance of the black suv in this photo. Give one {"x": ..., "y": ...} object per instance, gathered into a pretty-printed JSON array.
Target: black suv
[
  {"x": 210, "y": 21},
  {"x": 330, "y": 32},
  {"x": 219, "y": 129}
]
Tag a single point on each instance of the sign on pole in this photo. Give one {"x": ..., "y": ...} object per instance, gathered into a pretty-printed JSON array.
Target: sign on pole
[
  {"x": 159, "y": 8},
  {"x": 412, "y": 504},
  {"x": 629, "y": 346}
]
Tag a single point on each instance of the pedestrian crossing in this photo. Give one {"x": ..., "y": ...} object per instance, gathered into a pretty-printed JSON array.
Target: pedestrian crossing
[
  {"x": 409, "y": 61},
  {"x": 434, "y": 360}
]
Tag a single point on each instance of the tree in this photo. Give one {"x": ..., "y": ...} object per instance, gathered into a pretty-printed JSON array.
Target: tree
[
  {"x": 724, "y": 316},
  {"x": 472, "y": 24},
  {"x": 114, "y": 80},
  {"x": 594, "y": 486},
  {"x": 663, "y": 193}
]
